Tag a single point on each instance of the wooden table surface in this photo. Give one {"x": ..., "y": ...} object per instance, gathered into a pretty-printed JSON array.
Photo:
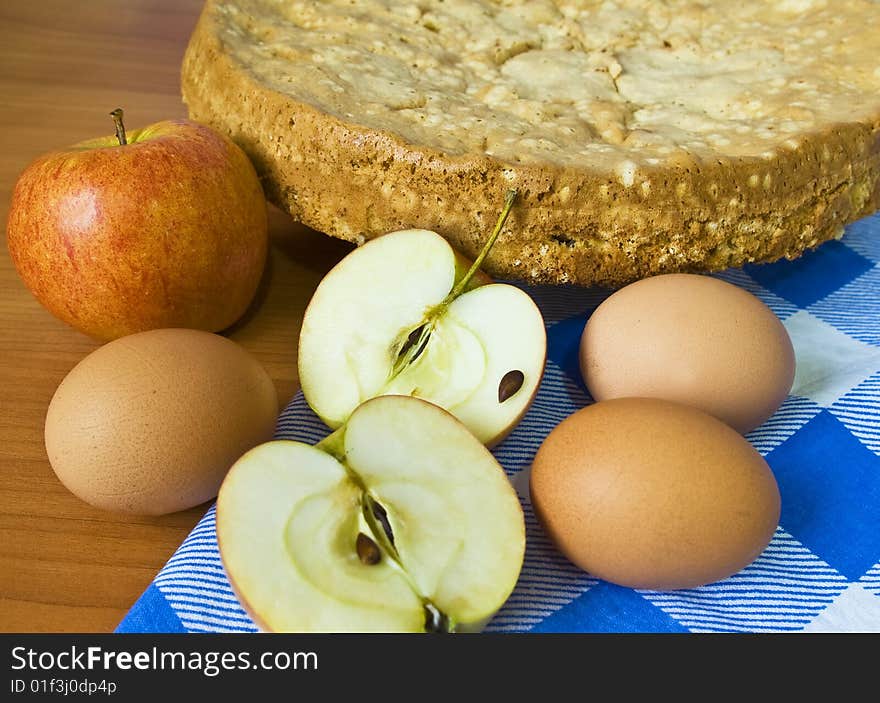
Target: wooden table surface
[{"x": 65, "y": 566}]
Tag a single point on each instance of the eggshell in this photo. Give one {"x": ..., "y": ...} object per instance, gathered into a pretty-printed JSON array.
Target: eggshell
[
  {"x": 150, "y": 423},
  {"x": 691, "y": 339},
  {"x": 651, "y": 494}
]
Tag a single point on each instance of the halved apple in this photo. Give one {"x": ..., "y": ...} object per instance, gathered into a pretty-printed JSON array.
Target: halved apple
[
  {"x": 404, "y": 315},
  {"x": 401, "y": 521}
]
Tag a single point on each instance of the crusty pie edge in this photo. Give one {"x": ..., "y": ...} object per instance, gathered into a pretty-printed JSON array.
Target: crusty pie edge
[{"x": 571, "y": 225}]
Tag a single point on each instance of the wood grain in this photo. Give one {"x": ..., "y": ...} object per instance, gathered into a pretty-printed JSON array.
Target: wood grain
[{"x": 65, "y": 566}]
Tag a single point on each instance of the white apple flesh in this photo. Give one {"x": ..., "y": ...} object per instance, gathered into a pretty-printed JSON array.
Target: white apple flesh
[
  {"x": 387, "y": 319},
  {"x": 483, "y": 335},
  {"x": 406, "y": 479}
]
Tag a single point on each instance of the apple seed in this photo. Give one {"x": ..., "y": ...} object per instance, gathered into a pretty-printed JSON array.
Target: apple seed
[
  {"x": 381, "y": 515},
  {"x": 412, "y": 340},
  {"x": 367, "y": 550},
  {"x": 511, "y": 382}
]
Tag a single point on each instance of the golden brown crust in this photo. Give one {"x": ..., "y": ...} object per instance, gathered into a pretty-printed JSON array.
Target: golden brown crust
[{"x": 572, "y": 224}]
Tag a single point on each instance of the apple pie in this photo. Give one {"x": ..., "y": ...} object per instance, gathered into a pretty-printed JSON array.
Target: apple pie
[{"x": 642, "y": 137}]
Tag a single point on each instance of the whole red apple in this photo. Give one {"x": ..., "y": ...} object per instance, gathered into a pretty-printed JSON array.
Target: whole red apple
[{"x": 163, "y": 227}]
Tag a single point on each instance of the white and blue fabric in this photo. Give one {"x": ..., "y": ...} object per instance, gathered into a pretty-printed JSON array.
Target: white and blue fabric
[{"x": 821, "y": 572}]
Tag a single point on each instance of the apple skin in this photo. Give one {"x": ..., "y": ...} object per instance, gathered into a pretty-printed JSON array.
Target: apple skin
[
  {"x": 480, "y": 277},
  {"x": 169, "y": 230}
]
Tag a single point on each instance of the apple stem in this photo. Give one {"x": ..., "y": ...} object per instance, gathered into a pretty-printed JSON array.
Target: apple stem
[
  {"x": 417, "y": 338},
  {"x": 499, "y": 225},
  {"x": 120, "y": 128}
]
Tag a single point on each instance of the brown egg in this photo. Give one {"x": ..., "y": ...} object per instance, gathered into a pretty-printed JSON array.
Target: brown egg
[
  {"x": 692, "y": 339},
  {"x": 651, "y": 494},
  {"x": 150, "y": 423}
]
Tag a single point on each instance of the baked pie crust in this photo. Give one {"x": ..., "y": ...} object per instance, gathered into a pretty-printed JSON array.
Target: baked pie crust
[{"x": 643, "y": 136}]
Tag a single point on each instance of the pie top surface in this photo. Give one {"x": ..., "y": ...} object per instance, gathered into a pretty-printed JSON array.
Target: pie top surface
[{"x": 573, "y": 84}]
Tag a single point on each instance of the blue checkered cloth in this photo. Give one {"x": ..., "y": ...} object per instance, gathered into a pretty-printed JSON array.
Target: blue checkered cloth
[{"x": 821, "y": 572}]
